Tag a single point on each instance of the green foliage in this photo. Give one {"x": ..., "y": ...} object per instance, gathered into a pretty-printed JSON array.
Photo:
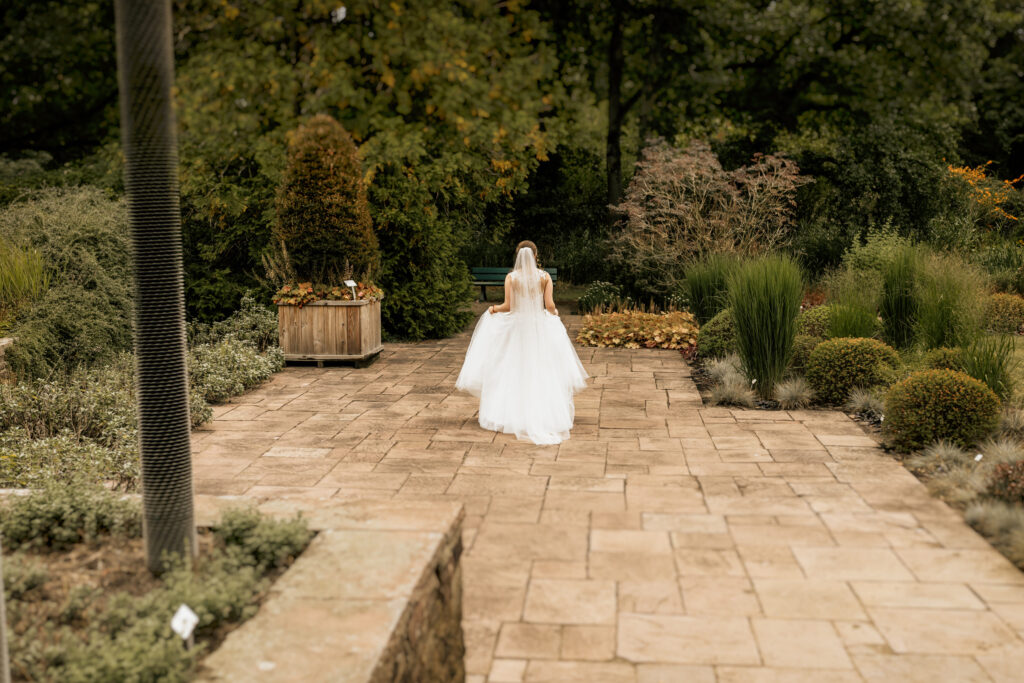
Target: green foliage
[
  {"x": 939, "y": 404},
  {"x": 1008, "y": 482},
  {"x": 1002, "y": 524},
  {"x": 803, "y": 344},
  {"x": 706, "y": 285},
  {"x": 88, "y": 634},
  {"x": 448, "y": 96},
  {"x": 60, "y": 515},
  {"x": 854, "y": 310},
  {"x": 899, "y": 304},
  {"x": 323, "y": 221},
  {"x": 1004, "y": 313},
  {"x": 837, "y": 366},
  {"x": 814, "y": 322},
  {"x": 764, "y": 296},
  {"x": 23, "y": 279},
  {"x": 603, "y": 296},
  {"x": 252, "y": 323},
  {"x": 950, "y": 295},
  {"x": 1004, "y": 263},
  {"x": 944, "y": 358},
  {"x": 262, "y": 542},
  {"x": 29, "y": 463},
  {"x": 794, "y": 393},
  {"x": 86, "y": 315},
  {"x": 428, "y": 286},
  {"x": 228, "y": 368},
  {"x": 717, "y": 338},
  {"x": 991, "y": 360}
]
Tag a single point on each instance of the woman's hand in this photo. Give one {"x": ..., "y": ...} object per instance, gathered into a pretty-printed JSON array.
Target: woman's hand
[{"x": 490, "y": 309}]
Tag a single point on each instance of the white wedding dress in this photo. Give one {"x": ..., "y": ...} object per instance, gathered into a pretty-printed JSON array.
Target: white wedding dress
[{"x": 522, "y": 365}]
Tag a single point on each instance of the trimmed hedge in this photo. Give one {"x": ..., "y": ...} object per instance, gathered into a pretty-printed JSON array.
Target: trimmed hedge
[
  {"x": 944, "y": 358},
  {"x": 838, "y": 365},
  {"x": 939, "y": 404},
  {"x": 717, "y": 339},
  {"x": 803, "y": 345},
  {"x": 1004, "y": 313}
]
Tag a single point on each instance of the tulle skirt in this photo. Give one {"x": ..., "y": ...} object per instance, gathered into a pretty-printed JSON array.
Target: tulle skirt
[{"x": 525, "y": 371}]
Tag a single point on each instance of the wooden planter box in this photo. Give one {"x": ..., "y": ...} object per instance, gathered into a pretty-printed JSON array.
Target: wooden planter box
[{"x": 330, "y": 330}]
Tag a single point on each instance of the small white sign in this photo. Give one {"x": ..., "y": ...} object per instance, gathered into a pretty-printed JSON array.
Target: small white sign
[
  {"x": 184, "y": 622},
  {"x": 350, "y": 283}
]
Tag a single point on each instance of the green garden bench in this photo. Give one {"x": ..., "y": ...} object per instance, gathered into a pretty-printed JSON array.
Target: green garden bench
[{"x": 495, "y": 277}]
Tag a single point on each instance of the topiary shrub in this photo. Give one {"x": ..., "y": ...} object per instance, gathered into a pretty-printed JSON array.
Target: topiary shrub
[
  {"x": 944, "y": 358},
  {"x": 939, "y": 404},
  {"x": 323, "y": 219},
  {"x": 1007, "y": 482},
  {"x": 802, "y": 346},
  {"x": 836, "y": 366},
  {"x": 717, "y": 338},
  {"x": 1004, "y": 313},
  {"x": 814, "y": 322}
]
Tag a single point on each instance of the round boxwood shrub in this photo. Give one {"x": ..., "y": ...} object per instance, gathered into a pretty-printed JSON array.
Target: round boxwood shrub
[
  {"x": 939, "y": 404},
  {"x": 717, "y": 338},
  {"x": 836, "y": 366},
  {"x": 803, "y": 344},
  {"x": 944, "y": 358},
  {"x": 814, "y": 322},
  {"x": 1004, "y": 313}
]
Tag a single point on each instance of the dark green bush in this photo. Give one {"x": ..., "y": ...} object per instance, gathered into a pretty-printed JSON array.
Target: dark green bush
[
  {"x": 427, "y": 284},
  {"x": 814, "y": 321},
  {"x": 86, "y": 314},
  {"x": 717, "y": 338},
  {"x": 836, "y": 366},
  {"x": 323, "y": 219},
  {"x": 803, "y": 344},
  {"x": 603, "y": 296},
  {"x": 939, "y": 404},
  {"x": 706, "y": 285},
  {"x": 764, "y": 296},
  {"x": 60, "y": 515},
  {"x": 944, "y": 358},
  {"x": 1004, "y": 313},
  {"x": 991, "y": 360}
]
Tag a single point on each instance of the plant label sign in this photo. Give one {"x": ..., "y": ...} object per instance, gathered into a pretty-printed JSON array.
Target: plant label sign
[
  {"x": 350, "y": 283},
  {"x": 184, "y": 622}
]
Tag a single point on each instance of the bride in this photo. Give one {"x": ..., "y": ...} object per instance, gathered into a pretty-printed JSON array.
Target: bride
[{"x": 520, "y": 362}]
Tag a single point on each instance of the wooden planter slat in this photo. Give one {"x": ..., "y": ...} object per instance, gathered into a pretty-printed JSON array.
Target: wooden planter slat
[{"x": 330, "y": 330}]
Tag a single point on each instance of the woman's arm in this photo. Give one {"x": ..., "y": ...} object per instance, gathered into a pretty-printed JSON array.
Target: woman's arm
[
  {"x": 507, "y": 305},
  {"x": 549, "y": 295}
]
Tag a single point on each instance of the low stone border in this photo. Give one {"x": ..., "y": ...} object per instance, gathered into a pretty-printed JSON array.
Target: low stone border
[{"x": 377, "y": 596}]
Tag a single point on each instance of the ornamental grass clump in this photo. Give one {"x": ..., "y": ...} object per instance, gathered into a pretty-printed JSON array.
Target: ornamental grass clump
[
  {"x": 639, "y": 329},
  {"x": 707, "y": 283},
  {"x": 794, "y": 393},
  {"x": 991, "y": 359},
  {"x": 1004, "y": 313},
  {"x": 764, "y": 296},
  {"x": 898, "y": 302},
  {"x": 837, "y": 366},
  {"x": 1002, "y": 524},
  {"x": 950, "y": 297},
  {"x": 855, "y": 296},
  {"x": 865, "y": 403},
  {"x": 1007, "y": 482},
  {"x": 939, "y": 404}
]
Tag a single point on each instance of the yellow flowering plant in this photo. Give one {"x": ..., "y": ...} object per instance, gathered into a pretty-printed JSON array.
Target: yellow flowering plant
[{"x": 639, "y": 329}]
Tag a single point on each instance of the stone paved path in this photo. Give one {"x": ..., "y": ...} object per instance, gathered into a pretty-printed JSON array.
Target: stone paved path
[{"x": 665, "y": 542}]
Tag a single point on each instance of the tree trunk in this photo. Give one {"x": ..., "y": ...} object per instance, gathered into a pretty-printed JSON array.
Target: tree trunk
[{"x": 613, "y": 154}]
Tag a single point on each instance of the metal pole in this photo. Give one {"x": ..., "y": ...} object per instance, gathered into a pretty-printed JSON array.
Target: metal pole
[
  {"x": 145, "y": 77},
  {"x": 5, "y": 662}
]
